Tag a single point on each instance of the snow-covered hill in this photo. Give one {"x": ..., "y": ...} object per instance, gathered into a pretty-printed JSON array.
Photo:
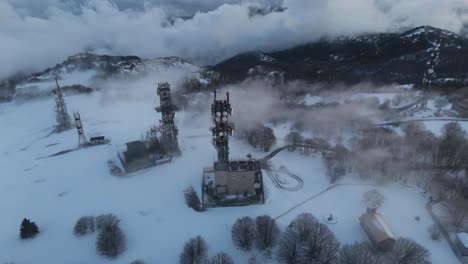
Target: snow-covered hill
[
  {"x": 89, "y": 69},
  {"x": 380, "y": 58},
  {"x": 112, "y": 65}
]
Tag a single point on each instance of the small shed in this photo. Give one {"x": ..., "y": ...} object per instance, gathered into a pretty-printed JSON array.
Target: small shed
[
  {"x": 377, "y": 230},
  {"x": 98, "y": 140},
  {"x": 462, "y": 243}
]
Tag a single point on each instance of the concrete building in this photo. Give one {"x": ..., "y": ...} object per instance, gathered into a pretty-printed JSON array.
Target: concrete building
[
  {"x": 377, "y": 230},
  {"x": 236, "y": 178},
  {"x": 233, "y": 183},
  {"x": 462, "y": 243}
]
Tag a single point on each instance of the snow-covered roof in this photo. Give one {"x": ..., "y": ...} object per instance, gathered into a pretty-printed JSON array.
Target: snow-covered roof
[
  {"x": 376, "y": 227},
  {"x": 463, "y": 237}
]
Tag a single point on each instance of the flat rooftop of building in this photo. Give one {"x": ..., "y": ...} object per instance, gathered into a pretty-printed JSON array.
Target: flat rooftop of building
[{"x": 237, "y": 165}]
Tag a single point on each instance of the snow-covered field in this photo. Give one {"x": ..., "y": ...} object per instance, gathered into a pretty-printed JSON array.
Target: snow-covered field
[{"x": 54, "y": 192}]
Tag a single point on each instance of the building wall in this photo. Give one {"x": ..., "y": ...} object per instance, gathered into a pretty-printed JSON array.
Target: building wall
[
  {"x": 461, "y": 247},
  {"x": 377, "y": 231}
]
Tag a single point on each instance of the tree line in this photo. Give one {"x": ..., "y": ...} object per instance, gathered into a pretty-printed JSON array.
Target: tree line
[{"x": 304, "y": 241}]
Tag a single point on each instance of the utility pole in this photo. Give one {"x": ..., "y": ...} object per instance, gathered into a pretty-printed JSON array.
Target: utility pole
[{"x": 221, "y": 110}]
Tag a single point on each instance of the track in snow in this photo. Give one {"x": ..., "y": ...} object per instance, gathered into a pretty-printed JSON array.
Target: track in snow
[
  {"x": 275, "y": 177},
  {"x": 398, "y": 122},
  {"x": 281, "y": 184}
]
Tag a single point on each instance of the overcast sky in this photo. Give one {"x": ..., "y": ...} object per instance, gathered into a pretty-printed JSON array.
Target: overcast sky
[{"x": 35, "y": 34}]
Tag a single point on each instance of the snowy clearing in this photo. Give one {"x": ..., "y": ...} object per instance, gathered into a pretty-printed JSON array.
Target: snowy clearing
[{"x": 54, "y": 192}]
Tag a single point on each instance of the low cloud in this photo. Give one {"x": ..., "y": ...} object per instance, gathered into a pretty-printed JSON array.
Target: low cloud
[{"x": 36, "y": 35}]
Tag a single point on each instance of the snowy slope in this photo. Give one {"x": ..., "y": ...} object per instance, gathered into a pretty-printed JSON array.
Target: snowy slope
[
  {"x": 54, "y": 192},
  {"x": 91, "y": 70}
]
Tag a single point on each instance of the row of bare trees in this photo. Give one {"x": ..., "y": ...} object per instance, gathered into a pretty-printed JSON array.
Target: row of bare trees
[
  {"x": 260, "y": 137},
  {"x": 195, "y": 251},
  {"x": 303, "y": 144},
  {"x": 111, "y": 240},
  {"x": 386, "y": 156},
  {"x": 305, "y": 240},
  {"x": 449, "y": 150},
  {"x": 263, "y": 232}
]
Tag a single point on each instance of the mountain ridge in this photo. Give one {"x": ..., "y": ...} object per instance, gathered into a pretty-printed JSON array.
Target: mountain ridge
[{"x": 380, "y": 58}]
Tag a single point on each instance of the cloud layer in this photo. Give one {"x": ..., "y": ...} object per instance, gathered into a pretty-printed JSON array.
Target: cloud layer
[{"x": 37, "y": 34}]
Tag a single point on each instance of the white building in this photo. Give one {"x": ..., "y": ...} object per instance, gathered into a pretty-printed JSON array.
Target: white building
[
  {"x": 462, "y": 243},
  {"x": 377, "y": 230}
]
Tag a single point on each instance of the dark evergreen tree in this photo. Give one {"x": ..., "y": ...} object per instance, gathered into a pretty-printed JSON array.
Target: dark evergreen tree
[{"x": 28, "y": 229}]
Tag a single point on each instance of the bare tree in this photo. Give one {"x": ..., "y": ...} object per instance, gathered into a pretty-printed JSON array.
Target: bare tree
[
  {"x": 243, "y": 233},
  {"x": 373, "y": 198},
  {"x": 194, "y": 252},
  {"x": 456, "y": 214},
  {"x": 289, "y": 251},
  {"x": 294, "y": 138},
  {"x": 191, "y": 199},
  {"x": 453, "y": 148},
  {"x": 434, "y": 231},
  {"x": 252, "y": 260},
  {"x": 413, "y": 129},
  {"x": 407, "y": 251},
  {"x": 335, "y": 163},
  {"x": 105, "y": 220},
  {"x": 302, "y": 226},
  {"x": 321, "y": 246},
  {"x": 307, "y": 241},
  {"x": 221, "y": 258},
  {"x": 358, "y": 253},
  {"x": 259, "y": 136},
  {"x": 84, "y": 225},
  {"x": 267, "y": 138},
  {"x": 440, "y": 103},
  {"x": 111, "y": 241},
  {"x": 308, "y": 151},
  {"x": 267, "y": 232}
]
